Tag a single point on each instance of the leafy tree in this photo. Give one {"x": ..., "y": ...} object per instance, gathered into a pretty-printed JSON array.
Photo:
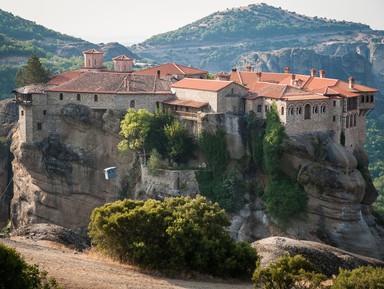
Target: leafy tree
[
  {"x": 135, "y": 128},
  {"x": 180, "y": 143},
  {"x": 15, "y": 273},
  {"x": 288, "y": 272},
  {"x": 32, "y": 72},
  {"x": 154, "y": 161},
  {"x": 361, "y": 278},
  {"x": 178, "y": 234},
  {"x": 156, "y": 136}
]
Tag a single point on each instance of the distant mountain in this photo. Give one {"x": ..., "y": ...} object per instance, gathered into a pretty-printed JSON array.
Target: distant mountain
[
  {"x": 19, "y": 38},
  {"x": 250, "y": 22}
]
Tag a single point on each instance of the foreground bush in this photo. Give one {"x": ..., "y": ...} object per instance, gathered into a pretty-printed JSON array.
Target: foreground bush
[
  {"x": 15, "y": 273},
  {"x": 178, "y": 234},
  {"x": 360, "y": 278},
  {"x": 288, "y": 272}
]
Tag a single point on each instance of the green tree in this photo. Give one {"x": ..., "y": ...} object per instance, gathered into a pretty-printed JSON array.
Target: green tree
[
  {"x": 288, "y": 272},
  {"x": 180, "y": 143},
  {"x": 15, "y": 273},
  {"x": 32, "y": 72},
  {"x": 365, "y": 277},
  {"x": 135, "y": 128},
  {"x": 178, "y": 234}
]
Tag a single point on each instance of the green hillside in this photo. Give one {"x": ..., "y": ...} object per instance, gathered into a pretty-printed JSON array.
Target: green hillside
[{"x": 246, "y": 23}]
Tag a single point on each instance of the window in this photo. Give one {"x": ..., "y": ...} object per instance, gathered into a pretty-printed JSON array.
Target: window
[
  {"x": 322, "y": 109},
  {"x": 291, "y": 111},
  {"x": 132, "y": 104},
  {"x": 334, "y": 103},
  {"x": 351, "y": 121},
  {"x": 334, "y": 118},
  {"x": 95, "y": 98},
  {"x": 355, "y": 120},
  {"x": 266, "y": 108},
  {"x": 78, "y": 97},
  {"x": 231, "y": 90},
  {"x": 367, "y": 98},
  {"x": 61, "y": 96},
  {"x": 371, "y": 98},
  {"x": 44, "y": 112},
  {"x": 39, "y": 126},
  {"x": 347, "y": 121},
  {"x": 259, "y": 108},
  {"x": 282, "y": 110},
  {"x": 22, "y": 112},
  {"x": 307, "y": 111},
  {"x": 362, "y": 99},
  {"x": 315, "y": 109},
  {"x": 157, "y": 104},
  {"x": 299, "y": 110}
]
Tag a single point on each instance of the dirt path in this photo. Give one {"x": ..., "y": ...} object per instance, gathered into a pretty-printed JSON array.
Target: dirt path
[{"x": 88, "y": 271}]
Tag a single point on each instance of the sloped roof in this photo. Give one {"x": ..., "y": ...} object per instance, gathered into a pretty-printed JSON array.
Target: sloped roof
[
  {"x": 112, "y": 82},
  {"x": 36, "y": 88},
  {"x": 122, "y": 58},
  {"x": 187, "y": 103},
  {"x": 62, "y": 78},
  {"x": 172, "y": 69},
  {"x": 201, "y": 84},
  {"x": 93, "y": 51}
]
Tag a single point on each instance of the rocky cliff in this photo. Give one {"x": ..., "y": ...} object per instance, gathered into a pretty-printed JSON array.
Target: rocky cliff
[
  {"x": 340, "y": 196},
  {"x": 60, "y": 180}
]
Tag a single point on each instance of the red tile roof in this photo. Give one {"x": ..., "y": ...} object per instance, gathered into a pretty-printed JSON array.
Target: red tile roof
[
  {"x": 172, "y": 69},
  {"x": 187, "y": 103},
  {"x": 122, "y": 58},
  {"x": 62, "y": 78},
  {"x": 93, "y": 51},
  {"x": 201, "y": 84}
]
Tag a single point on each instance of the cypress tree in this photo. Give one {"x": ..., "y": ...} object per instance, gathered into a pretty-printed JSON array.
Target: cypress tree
[{"x": 32, "y": 72}]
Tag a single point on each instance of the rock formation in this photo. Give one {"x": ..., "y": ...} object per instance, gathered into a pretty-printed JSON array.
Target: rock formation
[
  {"x": 326, "y": 259},
  {"x": 61, "y": 179}
]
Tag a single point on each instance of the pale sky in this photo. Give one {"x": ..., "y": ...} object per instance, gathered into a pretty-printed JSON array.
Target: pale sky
[{"x": 128, "y": 21}]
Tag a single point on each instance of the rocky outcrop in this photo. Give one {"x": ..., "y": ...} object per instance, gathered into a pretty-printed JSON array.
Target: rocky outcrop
[
  {"x": 326, "y": 259},
  {"x": 340, "y": 194},
  {"x": 8, "y": 118},
  {"x": 60, "y": 180}
]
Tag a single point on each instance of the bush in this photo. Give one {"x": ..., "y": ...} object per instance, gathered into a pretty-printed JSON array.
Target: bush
[
  {"x": 154, "y": 161},
  {"x": 178, "y": 234},
  {"x": 360, "y": 278},
  {"x": 287, "y": 272},
  {"x": 16, "y": 273}
]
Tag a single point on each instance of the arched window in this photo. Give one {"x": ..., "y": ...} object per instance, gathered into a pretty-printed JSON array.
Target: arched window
[
  {"x": 322, "y": 109},
  {"x": 299, "y": 110},
  {"x": 78, "y": 97},
  {"x": 315, "y": 109},
  {"x": 351, "y": 121},
  {"x": 347, "y": 121},
  {"x": 259, "y": 108},
  {"x": 291, "y": 111},
  {"x": 307, "y": 111},
  {"x": 132, "y": 104},
  {"x": 61, "y": 96},
  {"x": 95, "y": 98},
  {"x": 355, "y": 120},
  {"x": 282, "y": 110}
]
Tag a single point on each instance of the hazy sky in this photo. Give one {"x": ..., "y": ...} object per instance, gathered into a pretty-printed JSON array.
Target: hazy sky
[{"x": 133, "y": 21}]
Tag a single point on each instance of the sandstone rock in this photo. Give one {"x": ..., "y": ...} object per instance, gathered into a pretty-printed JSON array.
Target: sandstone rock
[{"x": 326, "y": 258}]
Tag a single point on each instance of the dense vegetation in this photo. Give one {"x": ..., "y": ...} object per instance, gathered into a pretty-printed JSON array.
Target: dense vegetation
[
  {"x": 176, "y": 235},
  {"x": 283, "y": 196},
  {"x": 361, "y": 278},
  {"x": 250, "y": 22},
  {"x": 32, "y": 72},
  {"x": 15, "y": 273},
  {"x": 288, "y": 272},
  {"x": 145, "y": 131}
]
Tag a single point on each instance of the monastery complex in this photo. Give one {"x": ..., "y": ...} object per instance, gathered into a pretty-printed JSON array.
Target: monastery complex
[{"x": 306, "y": 103}]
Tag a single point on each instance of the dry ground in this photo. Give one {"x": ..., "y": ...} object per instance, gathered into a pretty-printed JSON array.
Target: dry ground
[{"x": 88, "y": 271}]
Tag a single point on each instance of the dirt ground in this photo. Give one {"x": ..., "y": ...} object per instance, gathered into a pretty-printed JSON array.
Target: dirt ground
[{"x": 89, "y": 271}]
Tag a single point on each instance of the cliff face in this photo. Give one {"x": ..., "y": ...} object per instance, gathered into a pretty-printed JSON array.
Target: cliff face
[
  {"x": 8, "y": 116},
  {"x": 61, "y": 179}
]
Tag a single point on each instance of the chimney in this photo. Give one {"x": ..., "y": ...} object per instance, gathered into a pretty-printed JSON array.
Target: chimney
[
  {"x": 248, "y": 68},
  {"x": 322, "y": 73},
  {"x": 158, "y": 74},
  {"x": 287, "y": 70},
  {"x": 258, "y": 75},
  {"x": 234, "y": 69},
  {"x": 313, "y": 72},
  {"x": 293, "y": 78},
  {"x": 351, "y": 81}
]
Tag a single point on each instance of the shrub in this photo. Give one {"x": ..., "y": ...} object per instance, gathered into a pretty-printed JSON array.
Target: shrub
[
  {"x": 15, "y": 273},
  {"x": 178, "y": 234},
  {"x": 288, "y": 272},
  {"x": 360, "y": 278},
  {"x": 154, "y": 161}
]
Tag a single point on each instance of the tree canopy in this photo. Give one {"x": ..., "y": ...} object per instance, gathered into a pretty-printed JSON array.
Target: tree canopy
[
  {"x": 32, "y": 72},
  {"x": 178, "y": 234}
]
